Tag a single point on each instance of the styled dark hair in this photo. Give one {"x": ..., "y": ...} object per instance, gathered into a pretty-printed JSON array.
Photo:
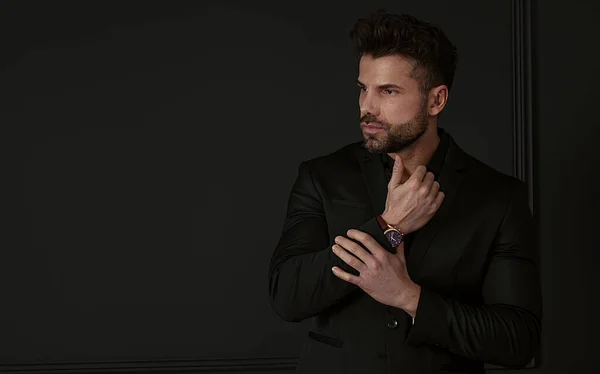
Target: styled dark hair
[{"x": 384, "y": 34}]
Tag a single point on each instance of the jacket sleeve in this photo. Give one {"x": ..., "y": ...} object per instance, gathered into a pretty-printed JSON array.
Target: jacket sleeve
[
  {"x": 301, "y": 283},
  {"x": 505, "y": 330}
]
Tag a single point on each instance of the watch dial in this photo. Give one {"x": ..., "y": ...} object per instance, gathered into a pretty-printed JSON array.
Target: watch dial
[{"x": 394, "y": 237}]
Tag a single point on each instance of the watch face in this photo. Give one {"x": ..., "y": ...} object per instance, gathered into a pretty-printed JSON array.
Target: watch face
[{"x": 394, "y": 237}]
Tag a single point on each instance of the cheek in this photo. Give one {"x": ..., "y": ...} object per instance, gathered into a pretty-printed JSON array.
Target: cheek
[{"x": 401, "y": 110}]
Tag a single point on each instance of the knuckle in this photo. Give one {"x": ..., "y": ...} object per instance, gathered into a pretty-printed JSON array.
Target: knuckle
[
  {"x": 349, "y": 247},
  {"x": 366, "y": 239},
  {"x": 429, "y": 200},
  {"x": 376, "y": 265},
  {"x": 379, "y": 257},
  {"x": 357, "y": 249}
]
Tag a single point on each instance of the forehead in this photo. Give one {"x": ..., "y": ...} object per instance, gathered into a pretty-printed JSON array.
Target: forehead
[{"x": 388, "y": 69}]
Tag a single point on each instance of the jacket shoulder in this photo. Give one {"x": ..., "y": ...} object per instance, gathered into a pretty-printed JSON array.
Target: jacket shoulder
[
  {"x": 491, "y": 182},
  {"x": 339, "y": 159},
  {"x": 489, "y": 173}
]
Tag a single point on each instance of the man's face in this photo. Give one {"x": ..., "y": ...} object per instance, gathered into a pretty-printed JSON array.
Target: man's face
[{"x": 393, "y": 113}]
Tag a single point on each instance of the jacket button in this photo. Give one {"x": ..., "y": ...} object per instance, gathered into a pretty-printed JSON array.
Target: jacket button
[{"x": 392, "y": 324}]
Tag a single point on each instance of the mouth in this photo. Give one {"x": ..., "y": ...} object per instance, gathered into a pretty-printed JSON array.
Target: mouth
[{"x": 372, "y": 128}]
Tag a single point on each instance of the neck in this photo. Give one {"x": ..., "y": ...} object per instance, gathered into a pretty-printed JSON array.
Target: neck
[{"x": 419, "y": 153}]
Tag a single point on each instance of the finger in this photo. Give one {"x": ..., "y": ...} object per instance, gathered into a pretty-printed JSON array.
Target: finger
[
  {"x": 435, "y": 188},
  {"x": 397, "y": 172},
  {"x": 427, "y": 184},
  {"x": 369, "y": 242},
  {"x": 418, "y": 174},
  {"x": 355, "y": 249},
  {"x": 439, "y": 199},
  {"x": 345, "y": 276},
  {"x": 348, "y": 258}
]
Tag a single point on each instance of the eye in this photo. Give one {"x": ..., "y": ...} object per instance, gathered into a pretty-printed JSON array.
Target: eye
[
  {"x": 389, "y": 91},
  {"x": 362, "y": 88}
]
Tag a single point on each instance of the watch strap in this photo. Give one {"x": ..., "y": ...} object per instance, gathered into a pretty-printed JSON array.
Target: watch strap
[{"x": 384, "y": 226}]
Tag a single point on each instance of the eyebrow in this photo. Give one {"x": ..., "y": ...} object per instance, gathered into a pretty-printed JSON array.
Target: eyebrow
[{"x": 383, "y": 86}]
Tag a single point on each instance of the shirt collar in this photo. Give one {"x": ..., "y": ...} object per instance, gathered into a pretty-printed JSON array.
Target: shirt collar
[{"x": 437, "y": 160}]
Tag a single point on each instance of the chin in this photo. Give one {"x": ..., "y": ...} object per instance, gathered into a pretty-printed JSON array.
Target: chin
[{"x": 373, "y": 145}]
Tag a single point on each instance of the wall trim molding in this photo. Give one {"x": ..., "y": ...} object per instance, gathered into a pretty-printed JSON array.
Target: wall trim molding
[
  {"x": 217, "y": 365},
  {"x": 523, "y": 112},
  {"x": 522, "y": 94}
]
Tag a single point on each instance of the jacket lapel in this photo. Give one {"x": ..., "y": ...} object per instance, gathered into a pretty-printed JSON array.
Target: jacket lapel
[{"x": 450, "y": 179}]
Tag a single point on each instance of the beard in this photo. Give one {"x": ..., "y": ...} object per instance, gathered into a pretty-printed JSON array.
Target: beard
[{"x": 395, "y": 137}]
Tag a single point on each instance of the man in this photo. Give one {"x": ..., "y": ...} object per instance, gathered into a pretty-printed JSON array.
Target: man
[{"x": 410, "y": 255}]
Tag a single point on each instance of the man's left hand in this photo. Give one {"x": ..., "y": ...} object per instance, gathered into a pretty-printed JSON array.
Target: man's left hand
[{"x": 383, "y": 275}]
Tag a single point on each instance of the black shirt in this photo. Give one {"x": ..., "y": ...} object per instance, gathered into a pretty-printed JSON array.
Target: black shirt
[{"x": 434, "y": 165}]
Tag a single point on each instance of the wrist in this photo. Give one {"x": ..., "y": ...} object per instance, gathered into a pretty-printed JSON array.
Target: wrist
[
  {"x": 389, "y": 221},
  {"x": 385, "y": 216},
  {"x": 411, "y": 300}
]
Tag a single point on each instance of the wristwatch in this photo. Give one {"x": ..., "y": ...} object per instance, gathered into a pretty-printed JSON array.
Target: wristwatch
[{"x": 392, "y": 234}]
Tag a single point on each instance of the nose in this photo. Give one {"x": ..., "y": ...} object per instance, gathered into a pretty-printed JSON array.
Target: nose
[{"x": 368, "y": 104}]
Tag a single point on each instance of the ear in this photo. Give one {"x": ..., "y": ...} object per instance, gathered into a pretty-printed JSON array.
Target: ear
[{"x": 437, "y": 99}]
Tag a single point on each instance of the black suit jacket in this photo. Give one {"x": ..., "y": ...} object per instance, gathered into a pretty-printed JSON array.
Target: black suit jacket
[{"x": 475, "y": 260}]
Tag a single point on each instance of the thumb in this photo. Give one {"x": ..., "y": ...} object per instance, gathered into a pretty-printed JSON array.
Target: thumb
[{"x": 397, "y": 171}]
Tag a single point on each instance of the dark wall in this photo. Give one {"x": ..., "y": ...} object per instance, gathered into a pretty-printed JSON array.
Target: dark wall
[
  {"x": 567, "y": 163},
  {"x": 154, "y": 146}
]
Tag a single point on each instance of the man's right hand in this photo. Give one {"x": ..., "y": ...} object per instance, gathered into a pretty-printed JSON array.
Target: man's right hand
[{"x": 410, "y": 205}]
